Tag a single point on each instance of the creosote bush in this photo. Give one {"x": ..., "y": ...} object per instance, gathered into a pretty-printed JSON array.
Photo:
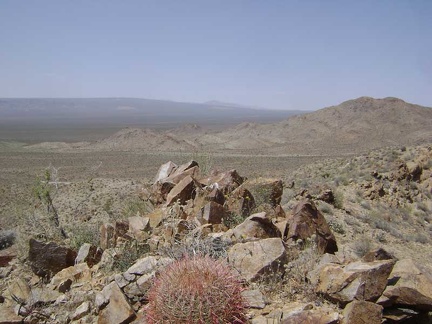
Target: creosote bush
[{"x": 196, "y": 289}]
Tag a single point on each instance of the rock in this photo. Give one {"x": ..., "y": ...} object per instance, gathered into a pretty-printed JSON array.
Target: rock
[
  {"x": 408, "y": 286},
  {"x": 139, "y": 226},
  {"x": 377, "y": 254},
  {"x": 217, "y": 196},
  {"x": 81, "y": 311},
  {"x": 165, "y": 170},
  {"x": 184, "y": 167},
  {"x": 255, "y": 226},
  {"x": 375, "y": 191},
  {"x": 240, "y": 202},
  {"x": 117, "y": 310},
  {"x": 121, "y": 229},
  {"x": 42, "y": 297},
  {"x": 182, "y": 192},
  {"x": 362, "y": 312},
  {"x": 89, "y": 254},
  {"x": 327, "y": 196},
  {"x": 256, "y": 259},
  {"x": 142, "y": 266},
  {"x": 7, "y": 238},
  {"x": 404, "y": 315},
  {"x": 7, "y": 255},
  {"x": 107, "y": 236},
  {"x": 46, "y": 259},
  {"x": 79, "y": 273},
  {"x": 268, "y": 191},
  {"x": 225, "y": 181},
  {"x": 254, "y": 298},
  {"x": 358, "y": 280},
  {"x": 212, "y": 213},
  {"x": 8, "y": 315},
  {"x": 307, "y": 221},
  {"x": 312, "y": 316},
  {"x": 19, "y": 290}
]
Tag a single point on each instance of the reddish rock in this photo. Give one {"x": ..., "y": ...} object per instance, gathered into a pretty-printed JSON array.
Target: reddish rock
[
  {"x": 408, "y": 286},
  {"x": 307, "y": 221},
  {"x": 89, "y": 254},
  {"x": 313, "y": 317},
  {"x": 241, "y": 202},
  {"x": 7, "y": 255},
  {"x": 268, "y": 191},
  {"x": 177, "y": 177},
  {"x": 357, "y": 280},
  {"x": 217, "y": 196},
  {"x": 327, "y": 196},
  {"x": 182, "y": 192},
  {"x": 362, "y": 312},
  {"x": 115, "y": 307},
  {"x": 255, "y": 226},
  {"x": 377, "y": 254},
  {"x": 225, "y": 181},
  {"x": 107, "y": 236},
  {"x": 212, "y": 213},
  {"x": 46, "y": 259}
]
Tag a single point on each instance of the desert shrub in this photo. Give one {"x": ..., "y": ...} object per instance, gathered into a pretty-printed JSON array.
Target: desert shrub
[
  {"x": 137, "y": 206},
  {"x": 325, "y": 208},
  {"x": 196, "y": 290},
  {"x": 338, "y": 199},
  {"x": 362, "y": 246},
  {"x": 337, "y": 227},
  {"x": 204, "y": 160},
  {"x": 84, "y": 233},
  {"x": 232, "y": 220}
]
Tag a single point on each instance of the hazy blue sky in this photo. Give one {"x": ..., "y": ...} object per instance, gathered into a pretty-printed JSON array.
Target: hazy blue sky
[{"x": 275, "y": 54}]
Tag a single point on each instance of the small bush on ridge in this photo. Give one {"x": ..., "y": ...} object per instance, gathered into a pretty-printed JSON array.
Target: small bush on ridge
[{"x": 196, "y": 290}]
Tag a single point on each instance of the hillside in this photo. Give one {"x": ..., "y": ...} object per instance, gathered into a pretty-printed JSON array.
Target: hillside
[{"x": 353, "y": 126}]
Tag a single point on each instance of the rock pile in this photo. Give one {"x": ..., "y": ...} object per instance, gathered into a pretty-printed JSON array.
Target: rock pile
[{"x": 222, "y": 215}]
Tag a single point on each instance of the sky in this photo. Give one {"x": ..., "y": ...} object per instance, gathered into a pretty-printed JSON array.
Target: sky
[{"x": 277, "y": 54}]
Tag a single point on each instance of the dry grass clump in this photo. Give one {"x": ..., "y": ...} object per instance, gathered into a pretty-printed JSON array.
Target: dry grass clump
[{"x": 196, "y": 290}]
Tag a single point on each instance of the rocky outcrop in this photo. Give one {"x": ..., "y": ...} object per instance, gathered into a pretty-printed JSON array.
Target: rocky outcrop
[
  {"x": 256, "y": 259},
  {"x": 362, "y": 312},
  {"x": 306, "y": 221},
  {"x": 46, "y": 259}
]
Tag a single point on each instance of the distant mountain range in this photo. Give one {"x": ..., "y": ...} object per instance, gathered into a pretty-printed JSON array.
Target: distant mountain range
[{"x": 355, "y": 125}]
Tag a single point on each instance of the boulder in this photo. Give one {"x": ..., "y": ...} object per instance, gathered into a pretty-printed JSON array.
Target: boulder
[
  {"x": 107, "y": 236},
  {"x": 327, "y": 196},
  {"x": 182, "y": 192},
  {"x": 256, "y": 226},
  {"x": 7, "y": 238},
  {"x": 256, "y": 259},
  {"x": 114, "y": 308},
  {"x": 362, "y": 312},
  {"x": 377, "y": 254},
  {"x": 240, "y": 202},
  {"x": 216, "y": 195},
  {"x": 79, "y": 273},
  {"x": 139, "y": 227},
  {"x": 212, "y": 213},
  {"x": 313, "y": 316},
  {"x": 7, "y": 255},
  {"x": 46, "y": 259},
  {"x": 306, "y": 221},
  {"x": 165, "y": 170},
  {"x": 19, "y": 290},
  {"x": 81, "y": 311},
  {"x": 254, "y": 298},
  {"x": 224, "y": 181},
  {"x": 266, "y": 191},
  {"x": 408, "y": 286},
  {"x": 89, "y": 254},
  {"x": 358, "y": 280}
]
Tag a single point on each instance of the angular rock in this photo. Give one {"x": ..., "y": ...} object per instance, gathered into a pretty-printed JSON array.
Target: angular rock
[
  {"x": 7, "y": 238},
  {"x": 7, "y": 255},
  {"x": 75, "y": 274},
  {"x": 362, "y": 312},
  {"x": 225, "y": 181},
  {"x": 377, "y": 254},
  {"x": 255, "y": 226},
  {"x": 254, "y": 298},
  {"x": 212, "y": 213},
  {"x": 256, "y": 259},
  {"x": 107, "y": 236},
  {"x": 268, "y": 191},
  {"x": 312, "y": 316},
  {"x": 165, "y": 170},
  {"x": 19, "y": 290},
  {"x": 42, "y": 296},
  {"x": 139, "y": 227},
  {"x": 182, "y": 192},
  {"x": 46, "y": 259},
  {"x": 81, "y": 311},
  {"x": 8, "y": 315},
  {"x": 358, "y": 280},
  {"x": 327, "y": 196},
  {"x": 217, "y": 196},
  {"x": 307, "y": 221},
  {"x": 408, "y": 286},
  {"x": 117, "y": 310},
  {"x": 240, "y": 202},
  {"x": 89, "y": 254},
  {"x": 184, "y": 167}
]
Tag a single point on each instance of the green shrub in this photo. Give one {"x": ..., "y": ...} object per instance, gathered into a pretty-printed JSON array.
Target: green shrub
[{"x": 196, "y": 290}]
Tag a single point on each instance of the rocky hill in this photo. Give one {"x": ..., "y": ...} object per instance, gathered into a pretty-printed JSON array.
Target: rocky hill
[
  {"x": 353, "y": 126},
  {"x": 338, "y": 241}
]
